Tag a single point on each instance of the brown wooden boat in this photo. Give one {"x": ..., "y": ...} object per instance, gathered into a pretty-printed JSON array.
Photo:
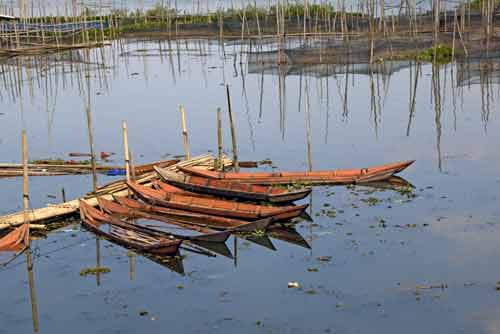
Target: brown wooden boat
[
  {"x": 122, "y": 234},
  {"x": 340, "y": 176},
  {"x": 213, "y": 206},
  {"x": 213, "y": 222},
  {"x": 16, "y": 240},
  {"x": 208, "y": 235},
  {"x": 168, "y": 188},
  {"x": 230, "y": 189}
]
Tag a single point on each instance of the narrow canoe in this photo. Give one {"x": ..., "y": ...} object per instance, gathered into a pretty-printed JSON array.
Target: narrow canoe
[
  {"x": 213, "y": 206},
  {"x": 213, "y": 222},
  {"x": 114, "y": 219},
  {"x": 207, "y": 235},
  {"x": 168, "y": 188},
  {"x": 92, "y": 219},
  {"x": 230, "y": 189},
  {"x": 340, "y": 176}
]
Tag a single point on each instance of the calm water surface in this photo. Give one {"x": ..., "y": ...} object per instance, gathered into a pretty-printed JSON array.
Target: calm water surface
[{"x": 418, "y": 264}]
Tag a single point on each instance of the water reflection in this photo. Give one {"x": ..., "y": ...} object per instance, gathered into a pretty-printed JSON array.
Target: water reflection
[
  {"x": 31, "y": 284},
  {"x": 41, "y": 82}
]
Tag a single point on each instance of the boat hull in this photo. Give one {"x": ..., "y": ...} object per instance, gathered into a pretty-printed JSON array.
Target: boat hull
[
  {"x": 91, "y": 220},
  {"x": 341, "y": 176},
  {"x": 230, "y": 189},
  {"x": 214, "y": 222},
  {"x": 212, "y": 206}
]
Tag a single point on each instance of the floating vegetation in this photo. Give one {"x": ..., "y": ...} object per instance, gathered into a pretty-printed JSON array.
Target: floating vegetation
[
  {"x": 258, "y": 233},
  {"x": 94, "y": 271},
  {"x": 440, "y": 54},
  {"x": 406, "y": 191},
  {"x": 371, "y": 201}
]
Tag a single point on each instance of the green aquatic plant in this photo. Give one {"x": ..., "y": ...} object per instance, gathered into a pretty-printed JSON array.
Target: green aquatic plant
[
  {"x": 478, "y": 4},
  {"x": 441, "y": 54},
  {"x": 94, "y": 271},
  {"x": 258, "y": 233},
  {"x": 371, "y": 201}
]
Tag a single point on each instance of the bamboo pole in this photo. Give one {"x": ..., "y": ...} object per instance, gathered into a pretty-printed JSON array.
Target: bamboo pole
[
  {"x": 126, "y": 152},
  {"x": 184, "y": 132},
  {"x": 220, "y": 164},
  {"x": 29, "y": 260},
  {"x": 25, "y": 183},
  {"x": 90, "y": 128},
  {"x": 233, "y": 131}
]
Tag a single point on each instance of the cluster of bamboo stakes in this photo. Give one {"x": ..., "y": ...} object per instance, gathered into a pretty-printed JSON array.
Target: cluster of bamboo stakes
[
  {"x": 280, "y": 10},
  {"x": 119, "y": 187},
  {"x": 57, "y": 78},
  {"x": 372, "y": 20}
]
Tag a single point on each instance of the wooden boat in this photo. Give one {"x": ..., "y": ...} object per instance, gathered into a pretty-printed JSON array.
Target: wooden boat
[
  {"x": 16, "y": 240},
  {"x": 213, "y": 222},
  {"x": 213, "y": 206},
  {"x": 115, "y": 208},
  {"x": 340, "y": 176},
  {"x": 122, "y": 234},
  {"x": 230, "y": 189},
  {"x": 168, "y": 188}
]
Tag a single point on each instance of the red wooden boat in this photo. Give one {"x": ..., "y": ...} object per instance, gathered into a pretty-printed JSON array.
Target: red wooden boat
[
  {"x": 208, "y": 235},
  {"x": 168, "y": 188},
  {"x": 125, "y": 235},
  {"x": 16, "y": 240},
  {"x": 213, "y": 206},
  {"x": 230, "y": 189},
  {"x": 213, "y": 222},
  {"x": 340, "y": 176}
]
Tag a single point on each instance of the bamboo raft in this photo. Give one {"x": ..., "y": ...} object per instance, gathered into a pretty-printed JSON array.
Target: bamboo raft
[
  {"x": 118, "y": 188},
  {"x": 46, "y": 169}
]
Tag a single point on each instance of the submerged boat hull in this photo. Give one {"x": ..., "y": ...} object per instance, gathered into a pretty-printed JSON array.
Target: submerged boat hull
[
  {"x": 91, "y": 220},
  {"x": 207, "y": 235}
]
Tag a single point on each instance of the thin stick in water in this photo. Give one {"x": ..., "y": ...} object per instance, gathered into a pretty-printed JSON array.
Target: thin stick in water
[
  {"x": 233, "y": 131},
  {"x": 184, "y": 132}
]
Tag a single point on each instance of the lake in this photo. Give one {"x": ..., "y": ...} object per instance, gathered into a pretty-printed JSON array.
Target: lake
[{"x": 380, "y": 260}]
